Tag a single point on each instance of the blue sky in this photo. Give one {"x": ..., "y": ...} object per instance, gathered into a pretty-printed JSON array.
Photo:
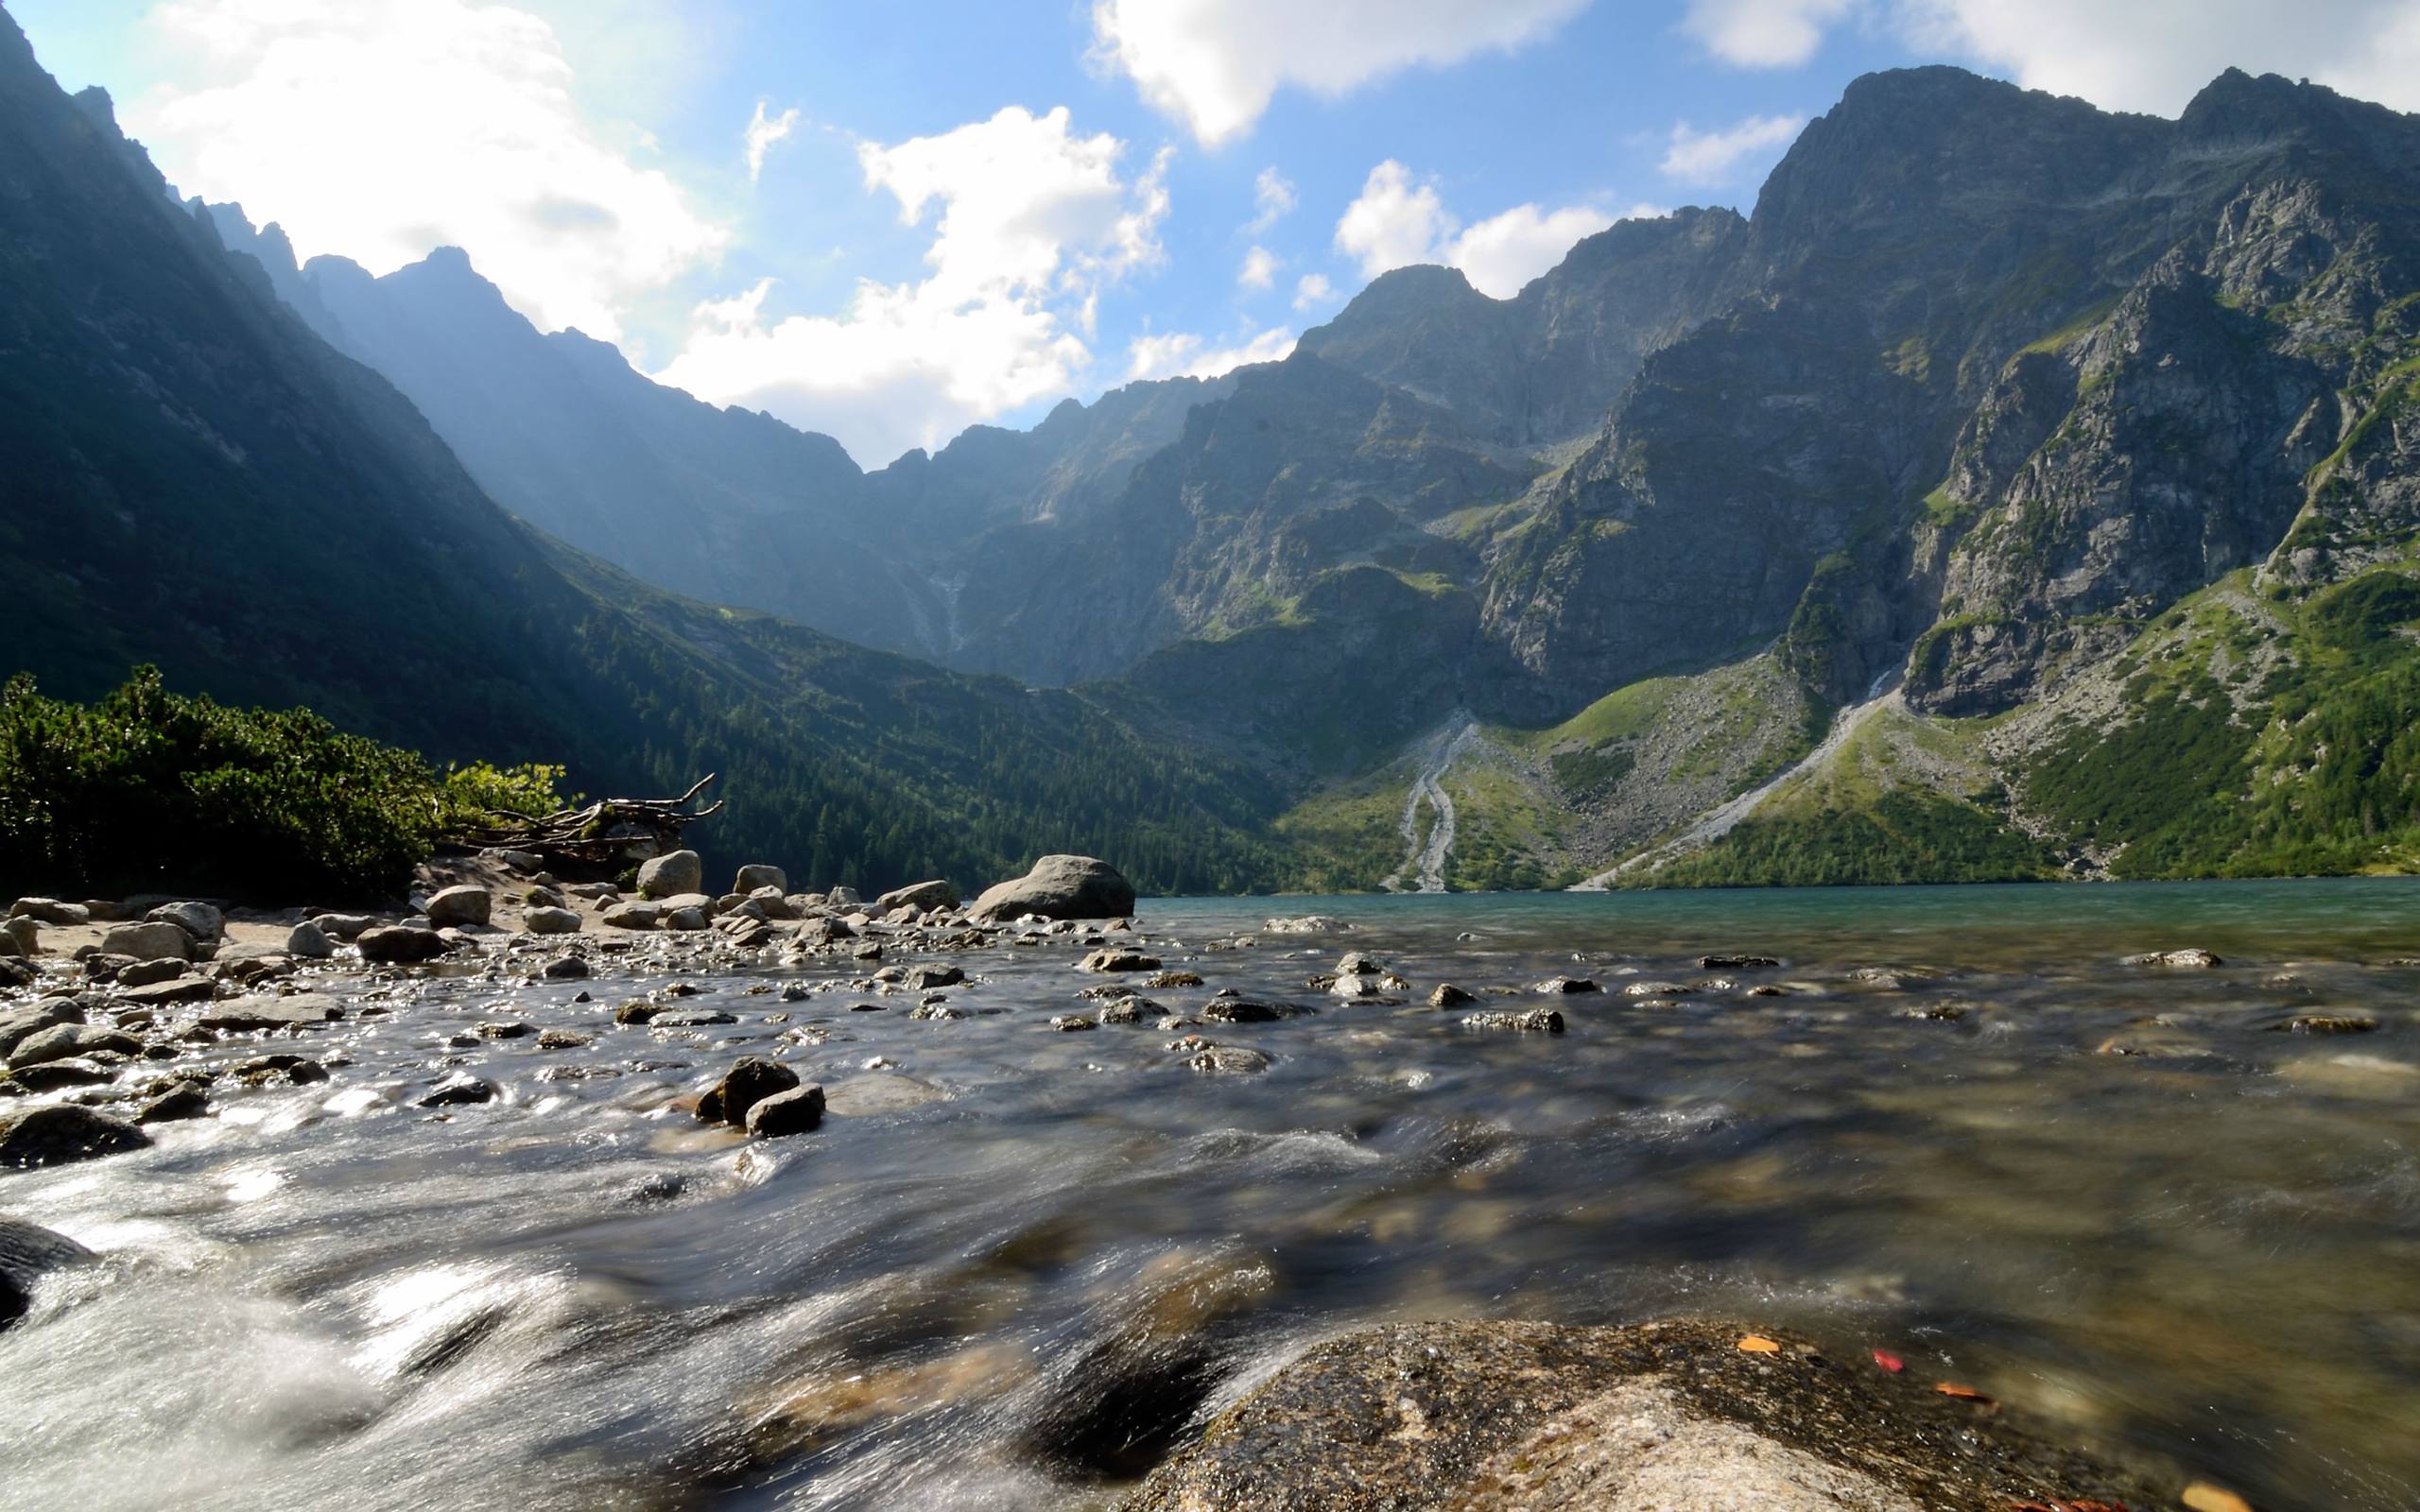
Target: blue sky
[{"x": 967, "y": 212}]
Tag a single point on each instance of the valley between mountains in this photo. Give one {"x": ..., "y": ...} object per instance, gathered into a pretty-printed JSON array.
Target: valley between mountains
[{"x": 2022, "y": 490}]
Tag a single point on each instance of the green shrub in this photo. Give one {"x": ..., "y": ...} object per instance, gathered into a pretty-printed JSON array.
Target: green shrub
[
  {"x": 479, "y": 793},
  {"x": 150, "y": 791}
]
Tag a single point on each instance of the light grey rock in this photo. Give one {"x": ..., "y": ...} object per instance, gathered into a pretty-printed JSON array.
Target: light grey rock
[
  {"x": 152, "y": 940},
  {"x": 22, "y": 1024},
  {"x": 453, "y": 908},
  {"x": 65, "y": 1041},
  {"x": 752, "y": 878},
  {"x": 921, "y": 897},
  {"x": 309, "y": 941},
  {"x": 1115, "y": 959},
  {"x": 671, "y": 874},
  {"x": 22, "y": 934},
  {"x": 1060, "y": 887},
  {"x": 303, "y": 1011},
  {"x": 688, "y": 919},
  {"x": 550, "y": 922},
  {"x": 143, "y": 974},
  {"x": 632, "y": 915},
  {"x": 50, "y": 911},
  {"x": 346, "y": 927},
  {"x": 1528, "y": 1021},
  {"x": 203, "y": 922}
]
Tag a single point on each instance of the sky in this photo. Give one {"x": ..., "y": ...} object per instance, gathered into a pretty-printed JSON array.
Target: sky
[{"x": 889, "y": 222}]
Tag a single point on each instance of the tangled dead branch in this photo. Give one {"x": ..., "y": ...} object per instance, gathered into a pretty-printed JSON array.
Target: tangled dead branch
[{"x": 609, "y": 833}]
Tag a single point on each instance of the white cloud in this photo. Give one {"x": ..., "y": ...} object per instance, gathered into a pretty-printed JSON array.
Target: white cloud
[
  {"x": 761, "y": 135},
  {"x": 2154, "y": 55},
  {"x": 1030, "y": 222},
  {"x": 381, "y": 131},
  {"x": 1259, "y": 270},
  {"x": 1181, "y": 354},
  {"x": 1273, "y": 196},
  {"x": 1215, "y": 64},
  {"x": 1312, "y": 290},
  {"x": 1710, "y": 157},
  {"x": 1400, "y": 220},
  {"x": 1503, "y": 252},
  {"x": 1397, "y": 221},
  {"x": 1762, "y": 33}
]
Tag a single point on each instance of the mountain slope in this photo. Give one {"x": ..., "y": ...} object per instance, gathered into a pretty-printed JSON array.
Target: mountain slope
[{"x": 197, "y": 480}]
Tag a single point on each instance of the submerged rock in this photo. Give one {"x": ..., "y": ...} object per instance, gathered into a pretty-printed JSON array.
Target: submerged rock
[
  {"x": 1568, "y": 985},
  {"x": 27, "y": 1253},
  {"x": 1450, "y": 996},
  {"x": 1657, "y": 1417},
  {"x": 2185, "y": 958},
  {"x": 458, "y": 1091},
  {"x": 1531, "y": 1020},
  {"x": 1113, "y": 959}
]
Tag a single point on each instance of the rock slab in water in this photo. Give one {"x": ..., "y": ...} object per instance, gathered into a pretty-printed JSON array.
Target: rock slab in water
[
  {"x": 671, "y": 874},
  {"x": 57, "y": 1133},
  {"x": 1655, "y": 1417},
  {"x": 1060, "y": 887},
  {"x": 27, "y": 1253},
  {"x": 798, "y": 1110},
  {"x": 303, "y": 1010}
]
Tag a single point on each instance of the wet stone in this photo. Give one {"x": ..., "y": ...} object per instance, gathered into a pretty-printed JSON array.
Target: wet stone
[
  {"x": 458, "y": 1091},
  {"x": 750, "y": 1080},
  {"x": 1228, "y": 1060},
  {"x": 504, "y": 1029},
  {"x": 2328, "y": 1023},
  {"x": 796, "y": 1110},
  {"x": 566, "y": 969},
  {"x": 2194, "y": 957},
  {"x": 57, "y": 1133},
  {"x": 1568, "y": 985},
  {"x": 1736, "y": 963},
  {"x": 1531, "y": 1020},
  {"x": 691, "y": 1018}
]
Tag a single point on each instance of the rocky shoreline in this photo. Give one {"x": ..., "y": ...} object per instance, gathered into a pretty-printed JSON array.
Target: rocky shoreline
[{"x": 121, "y": 1017}]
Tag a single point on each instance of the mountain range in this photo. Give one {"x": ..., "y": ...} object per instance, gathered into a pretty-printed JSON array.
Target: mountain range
[{"x": 2021, "y": 491}]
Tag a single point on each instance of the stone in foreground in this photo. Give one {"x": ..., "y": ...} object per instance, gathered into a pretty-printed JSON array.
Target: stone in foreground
[
  {"x": 57, "y": 1133},
  {"x": 28, "y": 1252},
  {"x": 750, "y": 1081},
  {"x": 798, "y": 1110},
  {"x": 1060, "y": 887},
  {"x": 1656, "y": 1418}
]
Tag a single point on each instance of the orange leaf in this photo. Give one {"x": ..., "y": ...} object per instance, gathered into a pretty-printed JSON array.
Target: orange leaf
[
  {"x": 1951, "y": 1388},
  {"x": 2204, "y": 1497},
  {"x": 1758, "y": 1343},
  {"x": 1888, "y": 1362}
]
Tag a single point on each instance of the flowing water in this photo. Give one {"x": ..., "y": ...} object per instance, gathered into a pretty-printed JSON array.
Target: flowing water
[{"x": 1014, "y": 1262}]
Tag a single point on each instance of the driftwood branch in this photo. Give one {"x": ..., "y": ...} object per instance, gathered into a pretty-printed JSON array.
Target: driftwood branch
[{"x": 610, "y": 832}]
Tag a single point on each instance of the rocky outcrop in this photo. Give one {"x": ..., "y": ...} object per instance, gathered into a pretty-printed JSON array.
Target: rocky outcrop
[{"x": 1656, "y": 1418}]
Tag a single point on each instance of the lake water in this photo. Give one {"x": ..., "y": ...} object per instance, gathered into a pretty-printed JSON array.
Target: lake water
[{"x": 1015, "y": 1261}]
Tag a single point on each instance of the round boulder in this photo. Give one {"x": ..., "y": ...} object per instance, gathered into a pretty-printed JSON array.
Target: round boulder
[
  {"x": 152, "y": 940},
  {"x": 670, "y": 875},
  {"x": 400, "y": 944},
  {"x": 456, "y": 907},
  {"x": 753, "y": 877},
  {"x": 309, "y": 941},
  {"x": 204, "y": 922},
  {"x": 550, "y": 922},
  {"x": 798, "y": 1110},
  {"x": 1061, "y": 888}
]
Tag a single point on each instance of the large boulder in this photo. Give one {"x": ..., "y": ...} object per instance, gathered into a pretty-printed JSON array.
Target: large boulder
[
  {"x": 753, "y": 877},
  {"x": 671, "y": 874},
  {"x": 204, "y": 922},
  {"x": 56, "y": 1133},
  {"x": 1061, "y": 888},
  {"x": 923, "y": 896},
  {"x": 23, "y": 1023},
  {"x": 309, "y": 941},
  {"x": 632, "y": 915},
  {"x": 453, "y": 908},
  {"x": 550, "y": 922},
  {"x": 798, "y": 1110},
  {"x": 152, "y": 940},
  {"x": 1653, "y": 1417},
  {"x": 20, "y": 935}
]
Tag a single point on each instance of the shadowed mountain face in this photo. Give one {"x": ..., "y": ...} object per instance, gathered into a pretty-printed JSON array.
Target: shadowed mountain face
[
  {"x": 197, "y": 480},
  {"x": 1989, "y": 384}
]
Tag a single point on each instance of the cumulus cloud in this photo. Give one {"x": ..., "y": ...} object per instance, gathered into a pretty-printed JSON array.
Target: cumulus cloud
[
  {"x": 1183, "y": 355},
  {"x": 1312, "y": 290},
  {"x": 1030, "y": 222},
  {"x": 1399, "y": 220},
  {"x": 381, "y": 131},
  {"x": 1259, "y": 270},
  {"x": 1713, "y": 157},
  {"x": 761, "y": 135},
  {"x": 2144, "y": 55},
  {"x": 1272, "y": 197},
  {"x": 1762, "y": 33},
  {"x": 1215, "y": 64},
  {"x": 1503, "y": 252},
  {"x": 2153, "y": 55}
]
